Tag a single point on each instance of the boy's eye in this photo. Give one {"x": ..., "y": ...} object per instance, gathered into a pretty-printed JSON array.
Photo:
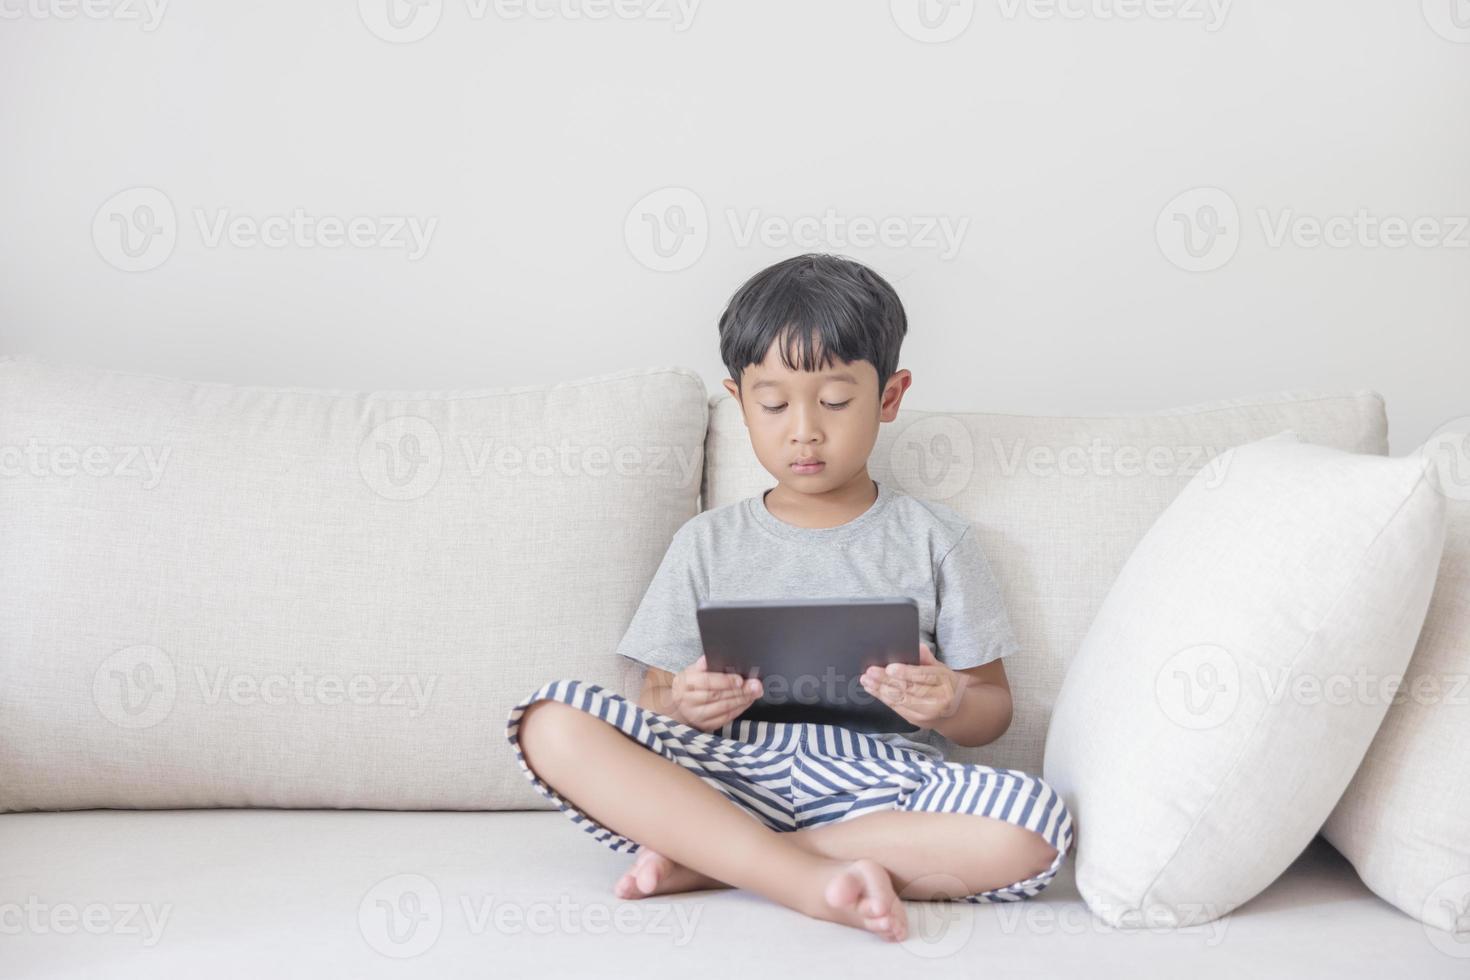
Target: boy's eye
[{"x": 773, "y": 409}]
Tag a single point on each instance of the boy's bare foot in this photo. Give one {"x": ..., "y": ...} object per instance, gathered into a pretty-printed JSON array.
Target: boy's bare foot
[
  {"x": 654, "y": 874},
  {"x": 861, "y": 894},
  {"x": 857, "y": 893}
]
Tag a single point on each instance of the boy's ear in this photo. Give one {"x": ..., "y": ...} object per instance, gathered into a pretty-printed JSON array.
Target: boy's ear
[
  {"x": 893, "y": 391},
  {"x": 734, "y": 390}
]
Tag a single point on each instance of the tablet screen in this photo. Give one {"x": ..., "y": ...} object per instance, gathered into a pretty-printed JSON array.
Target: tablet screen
[{"x": 810, "y": 655}]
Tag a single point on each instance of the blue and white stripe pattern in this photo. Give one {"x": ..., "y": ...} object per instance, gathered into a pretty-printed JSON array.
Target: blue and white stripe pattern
[{"x": 791, "y": 776}]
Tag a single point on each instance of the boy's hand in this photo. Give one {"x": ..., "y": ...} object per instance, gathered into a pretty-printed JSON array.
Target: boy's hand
[
  {"x": 707, "y": 699},
  {"x": 922, "y": 695}
]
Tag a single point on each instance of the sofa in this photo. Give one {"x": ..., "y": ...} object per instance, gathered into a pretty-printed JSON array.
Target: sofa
[{"x": 258, "y": 645}]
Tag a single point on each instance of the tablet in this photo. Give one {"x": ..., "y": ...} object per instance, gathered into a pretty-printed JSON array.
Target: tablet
[{"x": 810, "y": 655}]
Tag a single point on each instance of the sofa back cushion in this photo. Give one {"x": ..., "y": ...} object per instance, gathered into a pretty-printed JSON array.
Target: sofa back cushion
[
  {"x": 232, "y": 596},
  {"x": 1059, "y": 504}
]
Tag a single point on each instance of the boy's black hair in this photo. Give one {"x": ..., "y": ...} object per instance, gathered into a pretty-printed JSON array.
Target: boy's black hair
[{"x": 825, "y": 306}]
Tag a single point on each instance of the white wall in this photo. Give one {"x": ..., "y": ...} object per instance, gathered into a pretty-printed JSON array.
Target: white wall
[{"x": 1058, "y": 133}]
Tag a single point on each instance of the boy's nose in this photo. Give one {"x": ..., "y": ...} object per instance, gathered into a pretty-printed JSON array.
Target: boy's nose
[{"x": 804, "y": 427}]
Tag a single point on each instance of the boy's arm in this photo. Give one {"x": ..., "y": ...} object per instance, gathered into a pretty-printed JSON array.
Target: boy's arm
[
  {"x": 984, "y": 710},
  {"x": 658, "y": 691},
  {"x": 971, "y": 624}
]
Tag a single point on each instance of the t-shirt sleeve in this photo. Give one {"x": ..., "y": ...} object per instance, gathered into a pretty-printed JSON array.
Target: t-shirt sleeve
[
  {"x": 664, "y": 632},
  {"x": 971, "y": 625}
]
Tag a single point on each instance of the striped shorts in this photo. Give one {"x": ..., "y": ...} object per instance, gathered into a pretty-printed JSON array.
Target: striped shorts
[{"x": 795, "y": 775}]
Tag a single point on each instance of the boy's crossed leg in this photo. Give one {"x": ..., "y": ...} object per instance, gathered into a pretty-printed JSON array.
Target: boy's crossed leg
[
  {"x": 853, "y": 871},
  {"x": 977, "y": 854}
]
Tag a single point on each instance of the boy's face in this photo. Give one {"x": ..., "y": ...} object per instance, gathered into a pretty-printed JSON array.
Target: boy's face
[{"x": 831, "y": 415}]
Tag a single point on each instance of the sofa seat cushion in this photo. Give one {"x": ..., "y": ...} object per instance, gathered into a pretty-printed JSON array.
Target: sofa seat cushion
[{"x": 284, "y": 894}]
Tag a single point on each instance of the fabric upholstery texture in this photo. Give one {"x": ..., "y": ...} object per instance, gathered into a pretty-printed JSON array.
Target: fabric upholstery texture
[
  {"x": 1198, "y": 735},
  {"x": 214, "y": 595},
  {"x": 1404, "y": 820}
]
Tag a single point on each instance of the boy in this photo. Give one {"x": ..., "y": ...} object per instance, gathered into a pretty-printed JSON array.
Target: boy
[{"x": 836, "y": 823}]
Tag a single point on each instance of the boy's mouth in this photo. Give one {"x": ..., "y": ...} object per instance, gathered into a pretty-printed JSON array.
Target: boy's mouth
[{"x": 807, "y": 465}]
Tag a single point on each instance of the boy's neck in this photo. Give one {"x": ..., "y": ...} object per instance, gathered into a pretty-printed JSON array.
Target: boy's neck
[{"x": 822, "y": 510}]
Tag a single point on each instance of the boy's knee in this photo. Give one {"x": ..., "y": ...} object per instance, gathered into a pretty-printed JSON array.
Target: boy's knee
[
  {"x": 1027, "y": 853},
  {"x": 1040, "y": 853},
  {"x": 549, "y": 726}
]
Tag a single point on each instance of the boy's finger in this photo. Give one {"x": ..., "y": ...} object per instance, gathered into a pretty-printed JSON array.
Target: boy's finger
[
  {"x": 883, "y": 688},
  {"x": 915, "y": 679},
  {"x": 718, "y": 697},
  {"x": 730, "y": 697},
  {"x": 720, "y": 682},
  {"x": 704, "y": 697},
  {"x": 729, "y": 682}
]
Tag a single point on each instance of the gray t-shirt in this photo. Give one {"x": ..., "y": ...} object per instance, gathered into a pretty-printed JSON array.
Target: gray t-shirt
[{"x": 899, "y": 546}]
